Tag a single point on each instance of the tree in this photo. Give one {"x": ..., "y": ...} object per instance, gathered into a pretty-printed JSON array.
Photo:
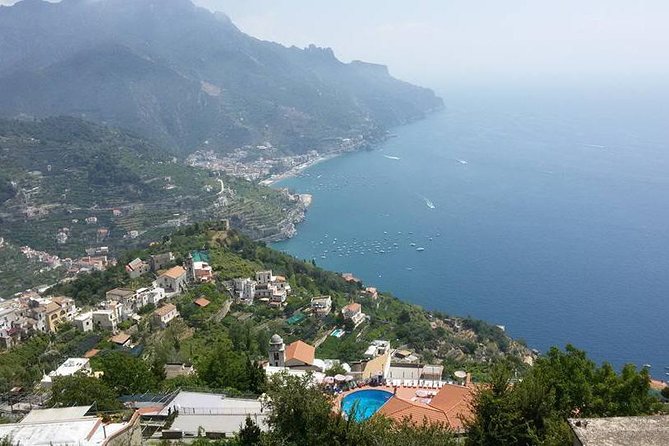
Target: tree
[
  {"x": 126, "y": 374},
  {"x": 81, "y": 390},
  {"x": 250, "y": 434},
  {"x": 665, "y": 392}
]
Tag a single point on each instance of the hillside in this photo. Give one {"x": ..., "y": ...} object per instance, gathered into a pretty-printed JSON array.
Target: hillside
[
  {"x": 67, "y": 185},
  {"x": 189, "y": 78}
]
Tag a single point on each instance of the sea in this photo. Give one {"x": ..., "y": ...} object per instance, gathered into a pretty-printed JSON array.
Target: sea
[{"x": 545, "y": 211}]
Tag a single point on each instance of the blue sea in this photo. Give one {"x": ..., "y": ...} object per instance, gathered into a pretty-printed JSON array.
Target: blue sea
[{"x": 546, "y": 211}]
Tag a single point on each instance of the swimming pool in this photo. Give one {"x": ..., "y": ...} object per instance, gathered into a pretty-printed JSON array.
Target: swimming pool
[{"x": 364, "y": 403}]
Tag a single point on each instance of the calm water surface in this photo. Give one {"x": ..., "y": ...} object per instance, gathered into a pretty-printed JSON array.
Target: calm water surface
[{"x": 545, "y": 212}]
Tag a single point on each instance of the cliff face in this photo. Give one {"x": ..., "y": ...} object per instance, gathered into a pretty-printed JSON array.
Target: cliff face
[{"x": 183, "y": 76}]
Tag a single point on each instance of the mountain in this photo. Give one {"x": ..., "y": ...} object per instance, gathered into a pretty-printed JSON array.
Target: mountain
[
  {"x": 182, "y": 75},
  {"x": 68, "y": 184}
]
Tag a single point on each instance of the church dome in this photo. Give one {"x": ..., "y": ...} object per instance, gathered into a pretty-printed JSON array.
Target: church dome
[{"x": 276, "y": 339}]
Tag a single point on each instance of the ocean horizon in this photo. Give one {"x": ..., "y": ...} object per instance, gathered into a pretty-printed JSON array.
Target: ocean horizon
[{"x": 542, "y": 212}]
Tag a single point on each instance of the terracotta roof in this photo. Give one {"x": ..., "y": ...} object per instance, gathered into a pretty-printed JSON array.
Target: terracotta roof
[
  {"x": 120, "y": 338},
  {"x": 201, "y": 302},
  {"x": 174, "y": 272},
  {"x": 352, "y": 308},
  {"x": 92, "y": 352},
  {"x": 301, "y": 351},
  {"x": 454, "y": 401},
  {"x": 399, "y": 409},
  {"x": 162, "y": 311}
]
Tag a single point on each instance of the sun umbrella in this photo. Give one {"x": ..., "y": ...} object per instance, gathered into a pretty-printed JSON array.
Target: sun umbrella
[
  {"x": 348, "y": 378},
  {"x": 339, "y": 378},
  {"x": 421, "y": 393},
  {"x": 329, "y": 380}
]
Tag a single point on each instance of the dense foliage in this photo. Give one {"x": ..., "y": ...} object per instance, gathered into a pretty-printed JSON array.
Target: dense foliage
[
  {"x": 561, "y": 385},
  {"x": 81, "y": 390}
]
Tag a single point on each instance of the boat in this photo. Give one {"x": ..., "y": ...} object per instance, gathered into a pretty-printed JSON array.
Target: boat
[
  {"x": 646, "y": 366},
  {"x": 392, "y": 157},
  {"x": 420, "y": 249},
  {"x": 412, "y": 244}
]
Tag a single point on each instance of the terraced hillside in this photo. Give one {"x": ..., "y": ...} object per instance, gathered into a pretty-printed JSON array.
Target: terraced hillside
[{"x": 67, "y": 185}]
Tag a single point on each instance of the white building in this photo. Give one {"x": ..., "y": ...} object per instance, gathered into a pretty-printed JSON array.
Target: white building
[
  {"x": 68, "y": 368},
  {"x": 321, "y": 305},
  {"x": 151, "y": 295},
  {"x": 164, "y": 315},
  {"x": 105, "y": 319},
  {"x": 354, "y": 313},
  {"x": 245, "y": 290},
  {"x": 173, "y": 280},
  {"x": 377, "y": 348},
  {"x": 84, "y": 321}
]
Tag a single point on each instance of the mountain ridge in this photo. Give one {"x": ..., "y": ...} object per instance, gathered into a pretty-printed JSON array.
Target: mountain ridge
[{"x": 200, "y": 78}]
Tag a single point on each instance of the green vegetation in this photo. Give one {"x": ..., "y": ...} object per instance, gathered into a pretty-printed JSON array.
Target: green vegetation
[
  {"x": 561, "y": 384},
  {"x": 80, "y": 390},
  {"x": 65, "y": 170}
]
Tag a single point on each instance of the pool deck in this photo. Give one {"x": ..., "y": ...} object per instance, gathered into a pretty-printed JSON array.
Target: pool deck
[{"x": 404, "y": 393}]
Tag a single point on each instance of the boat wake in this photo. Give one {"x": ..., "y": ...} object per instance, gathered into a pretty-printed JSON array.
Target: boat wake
[
  {"x": 392, "y": 157},
  {"x": 428, "y": 202}
]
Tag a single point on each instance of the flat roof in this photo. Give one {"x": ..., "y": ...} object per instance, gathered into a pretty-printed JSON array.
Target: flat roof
[
  {"x": 55, "y": 415},
  {"x": 622, "y": 431},
  {"x": 70, "y": 367},
  {"x": 196, "y": 403}
]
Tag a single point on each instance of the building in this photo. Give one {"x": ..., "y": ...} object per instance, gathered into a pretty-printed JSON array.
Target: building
[
  {"x": 450, "y": 406},
  {"x": 621, "y": 431},
  {"x": 296, "y": 356},
  {"x": 349, "y": 277},
  {"x": 175, "y": 369},
  {"x": 321, "y": 305},
  {"x": 13, "y": 323},
  {"x": 377, "y": 347},
  {"x": 164, "y": 315},
  {"x": 244, "y": 290},
  {"x": 105, "y": 320},
  {"x": 173, "y": 280},
  {"x": 71, "y": 426},
  {"x": 371, "y": 293},
  {"x": 353, "y": 312},
  {"x": 152, "y": 295},
  {"x": 137, "y": 268},
  {"x": 300, "y": 355},
  {"x": 121, "y": 339},
  {"x": 68, "y": 368},
  {"x": 277, "y": 351},
  {"x": 202, "y": 272},
  {"x": 84, "y": 321},
  {"x": 270, "y": 288},
  {"x": 208, "y": 414},
  {"x": 121, "y": 295},
  {"x": 160, "y": 261},
  {"x": 49, "y": 313},
  {"x": 201, "y": 302}
]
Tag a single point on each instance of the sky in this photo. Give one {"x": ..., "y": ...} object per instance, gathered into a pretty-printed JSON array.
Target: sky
[{"x": 437, "y": 42}]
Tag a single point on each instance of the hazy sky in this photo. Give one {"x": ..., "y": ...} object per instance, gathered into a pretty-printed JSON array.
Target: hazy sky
[
  {"x": 437, "y": 42},
  {"x": 456, "y": 41}
]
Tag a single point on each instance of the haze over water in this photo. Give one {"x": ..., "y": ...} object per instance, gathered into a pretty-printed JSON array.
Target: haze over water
[{"x": 544, "y": 211}]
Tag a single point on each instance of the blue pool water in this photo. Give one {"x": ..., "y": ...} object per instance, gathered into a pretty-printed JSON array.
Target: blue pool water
[{"x": 364, "y": 403}]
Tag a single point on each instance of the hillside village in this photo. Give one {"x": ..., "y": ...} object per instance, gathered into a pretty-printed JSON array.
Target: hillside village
[{"x": 334, "y": 328}]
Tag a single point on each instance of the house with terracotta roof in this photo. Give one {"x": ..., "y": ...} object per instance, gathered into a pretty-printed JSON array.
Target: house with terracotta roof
[
  {"x": 201, "y": 302},
  {"x": 165, "y": 314},
  {"x": 137, "y": 268},
  {"x": 173, "y": 280},
  {"x": 295, "y": 356},
  {"x": 371, "y": 293},
  {"x": 122, "y": 339},
  {"x": 353, "y": 312},
  {"x": 450, "y": 406}
]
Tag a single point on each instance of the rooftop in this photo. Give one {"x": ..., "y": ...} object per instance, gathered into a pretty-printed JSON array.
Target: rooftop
[
  {"x": 619, "y": 431},
  {"x": 120, "y": 338},
  {"x": 201, "y": 302},
  {"x": 174, "y": 272},
  {"x": 70, "y": 367},
  {"x": 165, "y": 309},
  {"x": 301, "y": 351}
]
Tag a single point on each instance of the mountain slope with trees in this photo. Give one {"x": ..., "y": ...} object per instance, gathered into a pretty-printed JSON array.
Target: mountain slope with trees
[{"x": 189, "y": 78}]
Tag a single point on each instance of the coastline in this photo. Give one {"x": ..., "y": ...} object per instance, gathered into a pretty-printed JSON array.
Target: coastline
[{"x": 294, "y": 171}]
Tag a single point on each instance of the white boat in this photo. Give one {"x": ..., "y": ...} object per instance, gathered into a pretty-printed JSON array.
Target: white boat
[
  {"x": 392, "y": 157},
  {"x": 420, "y": 249}
]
